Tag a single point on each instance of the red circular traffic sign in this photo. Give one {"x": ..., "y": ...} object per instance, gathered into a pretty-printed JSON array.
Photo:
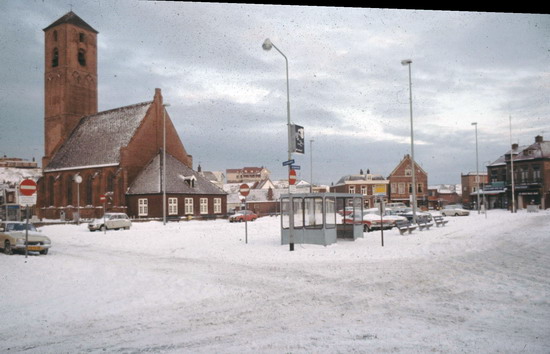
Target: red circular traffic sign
[
  {"x": 102, "y": 198},
  {"x": 244, "y": 189},
  {"x": 291, "y": 177},
  {"x": 27, "y": 187}
]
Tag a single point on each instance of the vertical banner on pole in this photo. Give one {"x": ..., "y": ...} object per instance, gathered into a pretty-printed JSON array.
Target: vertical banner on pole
[{"x": 298, "y": 143}]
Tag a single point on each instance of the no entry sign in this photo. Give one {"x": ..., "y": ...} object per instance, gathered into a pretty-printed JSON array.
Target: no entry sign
[
  {"x": 102, "y": 198},
  {"x": 27, "y": 187},
  {"x": 291, "y": 177},
  {"x": 244, "y": 189}
]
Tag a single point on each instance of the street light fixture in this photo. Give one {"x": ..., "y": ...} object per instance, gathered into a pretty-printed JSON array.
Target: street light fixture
[
  {"x": 477, "y": 171},
  {"x": 409, "y": 62},
  {"x": 267, "y": 45},
  {"x": 164, "y": 105}
]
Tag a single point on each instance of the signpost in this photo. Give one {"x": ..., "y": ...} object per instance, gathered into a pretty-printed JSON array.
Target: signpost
[
  {"x": 103, "y": 199},
  {"x": 291, "y": 177},
  {"x": 244, "y": 190},
  {"x": 289, "y": 162},
  {"x": 27, "y": 197},
  {"x": 380, "y": 193}
]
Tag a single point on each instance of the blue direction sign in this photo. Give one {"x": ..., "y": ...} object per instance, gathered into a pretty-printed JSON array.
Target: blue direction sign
[
  {"x": 289, "y": 162},
  {"x": 295, "y": 167}
]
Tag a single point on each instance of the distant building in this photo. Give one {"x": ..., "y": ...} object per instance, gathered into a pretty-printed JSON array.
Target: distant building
[
  {"x": 472, "y": 182},
  {"x": 444, "y": 194},
  {"x": 12, "y": 172},
  {"x": 361, "y": 184},
  {"x": 531, "y": 176},
  {"x": 401, "y": 183},
  {"x": 246, "y": 174}
]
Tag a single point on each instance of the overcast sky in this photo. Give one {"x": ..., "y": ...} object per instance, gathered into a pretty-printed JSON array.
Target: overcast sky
[{"x": 348, "y": 88}]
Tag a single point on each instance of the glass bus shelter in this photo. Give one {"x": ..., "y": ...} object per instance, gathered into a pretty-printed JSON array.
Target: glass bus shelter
[{"x": 320, "y": 218}]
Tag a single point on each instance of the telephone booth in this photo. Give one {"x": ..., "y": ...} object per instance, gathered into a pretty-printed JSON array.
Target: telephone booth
[{"x": 321, "y": 218}]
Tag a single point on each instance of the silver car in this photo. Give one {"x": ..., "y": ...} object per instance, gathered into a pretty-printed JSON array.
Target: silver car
[
  {"x": 13, "y": 236},
  {"x": 112, "y": 221},
  {"x": 454, "y": 210}
]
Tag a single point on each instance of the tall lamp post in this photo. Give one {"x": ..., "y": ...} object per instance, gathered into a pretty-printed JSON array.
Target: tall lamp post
[
  {"x": 164, "y": 163},
  {"x": 311, "y": 164},
  {"x": 477, "y": 171},
  {"x": 409, "y": 62},
  {"x": 267, "y": 45}
]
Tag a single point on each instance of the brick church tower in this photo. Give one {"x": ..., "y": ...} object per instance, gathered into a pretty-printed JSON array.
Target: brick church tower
[{"x": 70, "y": 79}]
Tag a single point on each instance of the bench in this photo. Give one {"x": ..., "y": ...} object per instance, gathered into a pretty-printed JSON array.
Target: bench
[
  {"x": 439, "y": 221},
  {"x": 424, "y": 223},
  {"x": 403, "y": 226}
]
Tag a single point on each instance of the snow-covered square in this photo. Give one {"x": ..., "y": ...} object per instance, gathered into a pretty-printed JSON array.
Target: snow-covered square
[{"x": 480, "y": 284}]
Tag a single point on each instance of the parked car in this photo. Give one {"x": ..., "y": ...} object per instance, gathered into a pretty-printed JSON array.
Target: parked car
[
  {"x": 372, "y": 221},
  {"x": 12, "y": 238},
  {"x": 454, "y": 210},
  {"x": 243, "y": 215},
  {"x": 408, "y": 213},
  {"x": 113, "y": 221},
  {"x": 346, "y": 211},
  {"x": 396, "y": 206}
]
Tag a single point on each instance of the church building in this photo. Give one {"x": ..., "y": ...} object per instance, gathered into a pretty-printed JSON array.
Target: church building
[{"x": 116, "y": 153}]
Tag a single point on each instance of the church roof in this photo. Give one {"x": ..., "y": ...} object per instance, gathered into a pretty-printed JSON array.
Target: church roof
[
  {"x": 178, "y": 176},
  {"x": 73, "y": 19},
  {"x": 98, "y": 138}
]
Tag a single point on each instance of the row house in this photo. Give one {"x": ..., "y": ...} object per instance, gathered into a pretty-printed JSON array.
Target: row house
[
  {"x": 531, "y": 176},
  {"x": 401, "y": 186},
  {"x": 246, "y": 174},
  {"x": 365, "y": 184},
  {"x": 443, "y": 194}
]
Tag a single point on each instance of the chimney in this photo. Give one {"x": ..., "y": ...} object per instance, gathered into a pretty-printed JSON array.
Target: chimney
[
  {"x": 515, "y": 146},
  {"x": 538, "y": 139}
]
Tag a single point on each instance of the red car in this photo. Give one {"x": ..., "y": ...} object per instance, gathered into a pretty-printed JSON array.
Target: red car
[{"x": 243, "y": 215}]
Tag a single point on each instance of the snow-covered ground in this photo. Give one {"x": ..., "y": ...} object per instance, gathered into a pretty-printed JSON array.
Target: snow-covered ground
[{"x": 478, "y": 285}]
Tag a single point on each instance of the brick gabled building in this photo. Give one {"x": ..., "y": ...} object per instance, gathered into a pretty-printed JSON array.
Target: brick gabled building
[
  {"x": 105, "y": 151},
  {"x": 401, "y": 183}
]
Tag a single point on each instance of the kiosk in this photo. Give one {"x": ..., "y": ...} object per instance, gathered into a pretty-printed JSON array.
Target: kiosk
[{"x": 321, "y": 218}]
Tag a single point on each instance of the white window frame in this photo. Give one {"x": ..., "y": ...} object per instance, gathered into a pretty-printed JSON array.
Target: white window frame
[
  {"x": 204, "y": 205},
  {"x": 401, "y": 188},
  {"x": 188, "y": 206},
  {"x": 217, "y": 205},
  {"x": 143, "y": 207},
  {"x": 364, "y": 190},
  {"x": 351, "y": 189},
  {"x": 172, "y": 206}
]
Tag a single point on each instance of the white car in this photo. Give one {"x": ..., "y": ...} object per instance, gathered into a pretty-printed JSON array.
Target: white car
[
  {"x": 113, "y": 221},
  {"x": 454, "y": 210},
  {"x": 13, "y": 235},
  {"x": 373, "y": 221}
]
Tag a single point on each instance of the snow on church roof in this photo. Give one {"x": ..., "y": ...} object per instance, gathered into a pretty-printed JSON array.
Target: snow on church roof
[
  {"x": 98, "y": 138},
  {"x": 177, "y": 177}
]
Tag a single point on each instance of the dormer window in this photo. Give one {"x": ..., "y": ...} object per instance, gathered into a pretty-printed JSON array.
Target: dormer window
[
  {"x": 82, "y": 57},
  {"x": 189, "y": 180}
]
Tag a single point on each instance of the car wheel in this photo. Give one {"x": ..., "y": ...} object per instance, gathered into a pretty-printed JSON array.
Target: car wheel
[
  {"x": 45, "y": 252},
  {"x": 7, "y": 248},
  {"x": 442, "y": 213},
  {"x": 103, "y": 228},
  {"x": 456, "y": 214}
]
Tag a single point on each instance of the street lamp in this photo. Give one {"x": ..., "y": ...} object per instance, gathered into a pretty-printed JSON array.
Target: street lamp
[
  {"x": 164, "y": 105},
  {"x": 311, "y": 164},
  {"x": 409, "y": 62},
  {"x": 267, "y": 45},
  {"x": 477, "y": 170}
]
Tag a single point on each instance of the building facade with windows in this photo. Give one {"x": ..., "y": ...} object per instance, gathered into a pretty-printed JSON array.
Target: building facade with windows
[
  {"x": 400, "y": 180},
  {"x": 365, "y": 184},
  {"x": 531, "y": 176},
  {"x": 472, "y": 183},
  {"x": 246, "y": 174}
]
